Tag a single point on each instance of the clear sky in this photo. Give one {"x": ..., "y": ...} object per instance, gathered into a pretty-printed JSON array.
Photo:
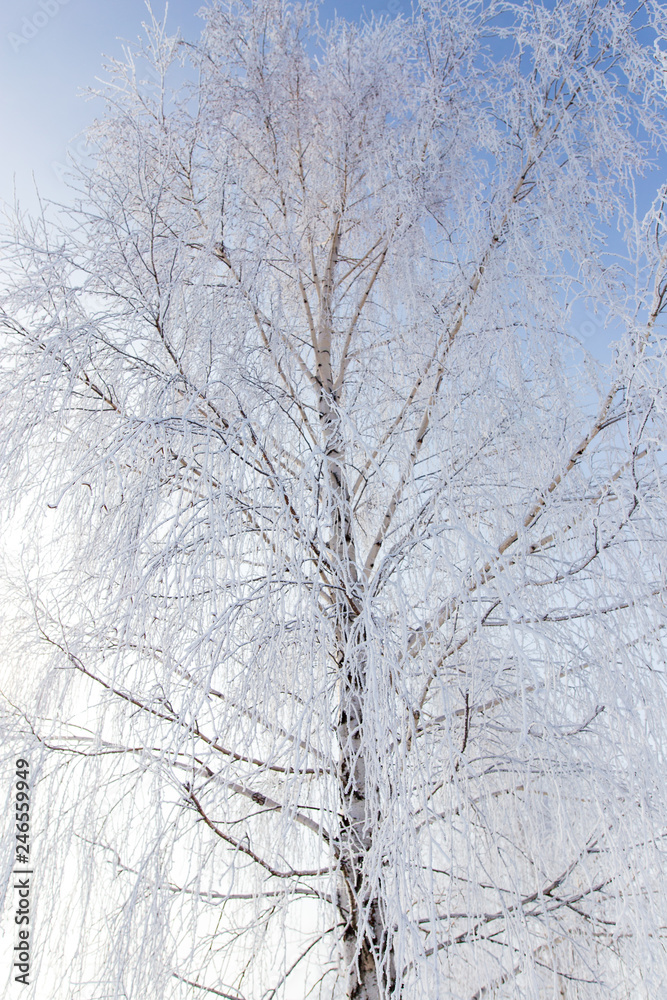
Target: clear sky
[{"x": 51, "y": 50}]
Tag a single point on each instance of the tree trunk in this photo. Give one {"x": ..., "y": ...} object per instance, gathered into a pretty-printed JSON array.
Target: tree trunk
[
  {"x": 367, "y": 950},
  {"x": 366, "y": 944}
]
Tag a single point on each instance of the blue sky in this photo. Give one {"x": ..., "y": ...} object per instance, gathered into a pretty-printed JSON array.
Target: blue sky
[{"x": 50, "y": 51}]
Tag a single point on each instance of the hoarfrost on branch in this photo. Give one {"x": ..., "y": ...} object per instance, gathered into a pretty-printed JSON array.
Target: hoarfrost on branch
[{"x": 348, "y": 615}]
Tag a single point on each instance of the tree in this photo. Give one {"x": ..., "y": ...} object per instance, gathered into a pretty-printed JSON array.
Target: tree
[{"x": 352, "y": 585}]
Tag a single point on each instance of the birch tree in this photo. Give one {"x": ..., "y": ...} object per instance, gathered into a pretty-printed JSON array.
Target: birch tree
[{"x": 340, "y": 654}]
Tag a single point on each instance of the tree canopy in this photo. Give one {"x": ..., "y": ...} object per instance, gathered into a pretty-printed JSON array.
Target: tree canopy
[{"x": 339, "y": 641}]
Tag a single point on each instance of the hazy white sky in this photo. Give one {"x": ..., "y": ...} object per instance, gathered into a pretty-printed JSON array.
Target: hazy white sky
[{"x": 51, "y": 50}]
